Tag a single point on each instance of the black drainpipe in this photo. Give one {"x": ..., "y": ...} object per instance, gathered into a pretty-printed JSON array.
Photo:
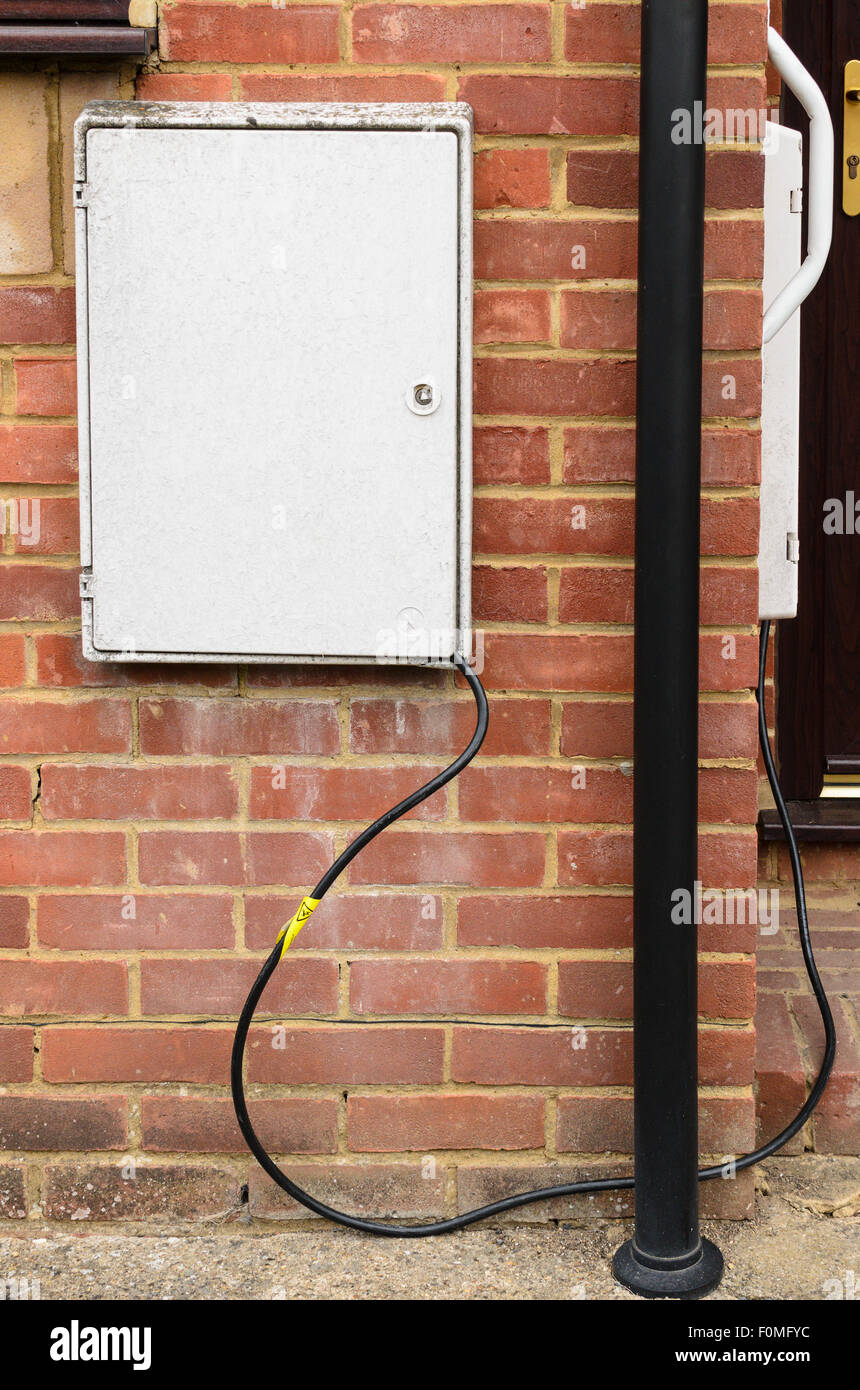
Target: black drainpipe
[{"x": 667, "y": 1256}]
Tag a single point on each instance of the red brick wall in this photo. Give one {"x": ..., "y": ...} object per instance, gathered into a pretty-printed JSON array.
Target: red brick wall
[{"x": 146, "y": 861}]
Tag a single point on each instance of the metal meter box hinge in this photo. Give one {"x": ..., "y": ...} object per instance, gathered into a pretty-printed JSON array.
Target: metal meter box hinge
[
  {"x": 86, "y": 582},
  {"x": 82, "y": 195}
]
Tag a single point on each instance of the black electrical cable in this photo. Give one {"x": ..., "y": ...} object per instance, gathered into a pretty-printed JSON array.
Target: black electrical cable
[{"x": 456, "y": 1223}]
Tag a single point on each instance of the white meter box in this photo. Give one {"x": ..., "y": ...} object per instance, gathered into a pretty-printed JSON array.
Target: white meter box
[
  {"x": 780, "y": 410},
  {"x": 274, "y": 329}
]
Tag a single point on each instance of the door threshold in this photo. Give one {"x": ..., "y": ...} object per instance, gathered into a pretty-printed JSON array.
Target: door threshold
[{"x": 830, "y": 820}]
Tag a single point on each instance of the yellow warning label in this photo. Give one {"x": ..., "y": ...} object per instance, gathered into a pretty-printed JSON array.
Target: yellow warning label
[{"x": 289, "y": 933}]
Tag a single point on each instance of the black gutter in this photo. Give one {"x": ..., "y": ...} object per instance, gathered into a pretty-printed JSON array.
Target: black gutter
[{"x": 667, "y": 1257}]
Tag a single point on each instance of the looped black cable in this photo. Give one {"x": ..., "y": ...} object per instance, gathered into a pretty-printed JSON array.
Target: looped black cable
[{"x": 457, "y": 1223}]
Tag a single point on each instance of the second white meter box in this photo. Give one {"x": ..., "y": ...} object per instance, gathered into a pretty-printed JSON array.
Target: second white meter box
[{"x": 274, "y": 331}]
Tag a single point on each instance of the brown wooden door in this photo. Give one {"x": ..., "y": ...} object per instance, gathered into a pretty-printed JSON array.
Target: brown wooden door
[{"x": 818, "y": 654}]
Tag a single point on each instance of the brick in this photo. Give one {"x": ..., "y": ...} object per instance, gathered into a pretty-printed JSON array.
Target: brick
[
  {"x": 728, "y": 796},
  {"x": 184, "y": 1191},
  {"x": 534, "y": 249},
  {"x": 598, "y": 858},
  {"x": 221, "y": 728},
  {"x": 41, "y": 1122},
  {"x": 176, "y": 1124},
  {"x": 780, "y": 1071},
  {"x": 45, "y": 726},
  {"x": 37, "y": 315},
  {"x": 297, "y": 858},
  {"x": 737, "y": 34},
  {"x": 602, "y": 249},
  {"x": 823, "y": 863},
  {"x": 13, "y": 1194},
  {"x": 447, "y": 987},
  {"x": 509, "y": 594},
  {"x": 218, "y": 857},
  {"x": 572, "y": 922},
  {"x": 520, "y": 661},
  {"x": 597, "y": 729},
  {"x": 543, "y": 1057},
  {"x": 60, "y": 663},
  {"x": 512, "y": 178},
  {"x": 15, "y": 793},
  {"x": 479, "y": 1186},
  {"x": 134, "y": 922},
  {"x": 512, "y": 316},
  {"x": 727, "y": 663},
  {"x": 46, "y": 386},
  {"x": 184, "y": 86},
  {"x": 61, "y": 859},
  {"x": 595, "y": 319},
  {"x": 611, "y": 34},
  {"x": 66, "y": 988},
  {"x": 604, "y": 989},
  {"x": 12, "y": 660},
  {"x": 552, "y": 794},
  {"x": 169, "y": 986},
  {"x": 510, "y": 454},
  {"x": 606, "y": 319},
  {"x": 451, "y": 33},
  {"x": 604, "y": 34},
  {"x": 255, "y": 34},
  {"x": 524, "y": 1056},
  {"x": 734, "y": 249},
  {"x": 550, "y": 105},
  {"x": 604, "y": 729},
  {"x": 606, "y": 454},
  {"x": 445, "y": 727},
  {"x": 589, "y": 594},
  {"x": 378, "y": 1124},
  {"x": 14, "y": 922},
  {"x": 141, "y": 1054},
  {"x": 470, "y": 858},
  {"x": 342, "y": 1056},
  {"x": 76, "y": 90},
  {"x": 578, "y": 105},
  {"x": 556, "y": 386},
  {"x": 375, "y": 1190},
  {"x": 595, "y": 662},
  {"x": 25, "y": 200},
  {"x": 366, "y": 922},
  {"x": 604, "y": 1124},
  {"x": 76, "y": 791},
  {"x": 610, "y": 179},
  {"x": 45, "y": 526},
  {"x": 342, "y": 86},
  {"x": 741, "y": 377},
  {"x": 729, "y": 595},
  {"x": 340, "y": 793},
  {"x": 730, "y": 527},
  {"x": 43, "y": 593},
  {"x": 836, "y": 1124},
  {"x": 16, "y": 1057}
]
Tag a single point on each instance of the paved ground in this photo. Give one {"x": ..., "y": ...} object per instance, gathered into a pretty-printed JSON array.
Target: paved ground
[{"x": 804, "y": 1243}]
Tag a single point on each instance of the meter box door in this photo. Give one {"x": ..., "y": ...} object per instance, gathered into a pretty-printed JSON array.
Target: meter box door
[
  {"x": 275, "y": 326},
  {"x": 780, "y": 411}
]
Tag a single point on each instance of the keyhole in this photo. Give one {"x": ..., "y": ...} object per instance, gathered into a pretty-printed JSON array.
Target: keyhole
[{"x": 853, "y": 163}]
